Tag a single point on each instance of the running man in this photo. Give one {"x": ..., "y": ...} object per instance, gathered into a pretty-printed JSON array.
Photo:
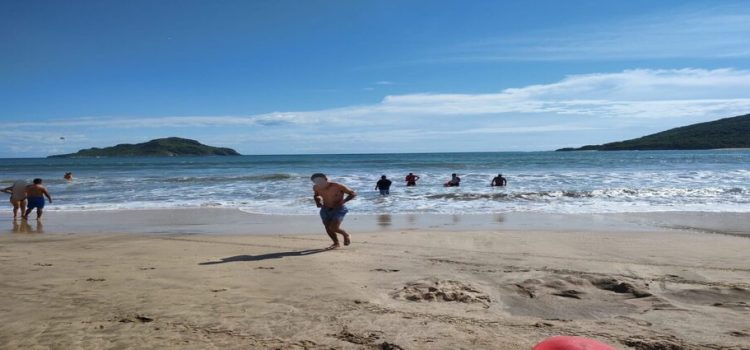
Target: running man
[
  {"x": 384, "y": 186},
  {"x": 411, "y": 179},
  {"x": 499, "y": 180},
  {"x": 329, "y": 197},
  {"x": 17, "y": 196},
  {"x": 35, "y": 194}
]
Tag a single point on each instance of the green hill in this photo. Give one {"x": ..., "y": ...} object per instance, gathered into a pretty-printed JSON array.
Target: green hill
[
  {"x": 723, "y": 133},
  {"x": 166, "y": 147}
]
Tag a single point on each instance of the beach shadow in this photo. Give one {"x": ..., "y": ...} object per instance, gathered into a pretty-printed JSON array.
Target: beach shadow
[{"x": 278, "y": 255}]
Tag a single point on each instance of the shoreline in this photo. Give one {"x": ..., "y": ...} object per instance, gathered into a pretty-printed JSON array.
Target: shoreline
[{"x": 234, "y": 221}]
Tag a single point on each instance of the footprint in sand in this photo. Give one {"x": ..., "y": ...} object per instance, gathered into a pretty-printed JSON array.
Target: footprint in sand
[
  {"x": 739, "y": 334},
  {"x": 95, "y": 279},
  {"x": 385, "y": 270},
  {"x": 569, "y": 293},
  {"x": 370, "y": 339},
  {"x": 433, "y": 289},
  {"x": 613, "y": 285},
  {"x": 733, "y": 298},
  {"x": 653, "y": 344},
  {"x": 134, "y": 318}
]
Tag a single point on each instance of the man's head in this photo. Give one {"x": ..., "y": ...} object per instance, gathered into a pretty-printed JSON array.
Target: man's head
[
  {"x": 411, "y": 173},
  {"x": 499, "y": 175},
  {"x": 383, "y": 177},
  {"x": 319, "y": 179},
  {"x": 37, "y": 181},
  {"x": 454, "y": 175}
]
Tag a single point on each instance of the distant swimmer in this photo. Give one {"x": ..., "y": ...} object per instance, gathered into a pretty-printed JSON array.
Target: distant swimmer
[
  {"x": 383, "y": 185},
  {"x": 17, "y": 196},
  {"x": 35, "y": 194},
  {"x": 411, "y": 179},
  {"x": 68, "y": 176},
  {"x": 455, "y": 181},
  {"x": 499, "y": 180},
  {"x": 329, "y": 197}
]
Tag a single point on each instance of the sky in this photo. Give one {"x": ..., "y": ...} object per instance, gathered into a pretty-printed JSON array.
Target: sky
[{"x": 309, "y": 76}]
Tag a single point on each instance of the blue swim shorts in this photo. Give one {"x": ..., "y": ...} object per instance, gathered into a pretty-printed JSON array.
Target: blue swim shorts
[
  {"x": 331, "y": 214},
  {"x": 35, "y": 202}
]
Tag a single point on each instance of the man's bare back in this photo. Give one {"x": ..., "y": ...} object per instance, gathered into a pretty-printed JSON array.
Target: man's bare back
[{"x": 37, "y": 191}]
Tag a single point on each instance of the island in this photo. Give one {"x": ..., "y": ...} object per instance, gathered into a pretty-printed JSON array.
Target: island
[
  {"x": 164, "y": 147},
  {"x": 723, "y": 133}
]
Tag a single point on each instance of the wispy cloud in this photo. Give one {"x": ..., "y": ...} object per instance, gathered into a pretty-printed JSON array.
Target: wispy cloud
[
  {"x": 638, "y": 93},
  {"x": 716, "y": 31},
  {"x": 577, "y": 103}
]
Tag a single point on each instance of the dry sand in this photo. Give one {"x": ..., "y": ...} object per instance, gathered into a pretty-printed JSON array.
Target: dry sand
[{"x": 491, "y": 289}]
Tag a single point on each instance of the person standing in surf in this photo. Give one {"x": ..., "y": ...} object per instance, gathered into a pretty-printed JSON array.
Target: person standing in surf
[
  {"x": 35, "y": 194},
  {"x": 411, "y": 179},
  {"x": 499, "y": 180},
  {"x": 329, "y": 197},
  {"x": 455, "y": 181},
  {"x": 384, "y": 186},
  {"x": 17, "y": 197}
]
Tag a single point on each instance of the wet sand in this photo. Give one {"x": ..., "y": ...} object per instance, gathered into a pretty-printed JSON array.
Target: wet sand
[
  {"x": 423, "y": 288},
  {"x": 233, "y": 221}
]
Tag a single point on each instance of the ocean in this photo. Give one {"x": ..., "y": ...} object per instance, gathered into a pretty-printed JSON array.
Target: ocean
[{"x": 552, "y": 182}]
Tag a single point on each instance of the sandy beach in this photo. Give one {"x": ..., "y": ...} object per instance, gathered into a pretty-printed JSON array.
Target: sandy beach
[{"x": 391, "y": 289}]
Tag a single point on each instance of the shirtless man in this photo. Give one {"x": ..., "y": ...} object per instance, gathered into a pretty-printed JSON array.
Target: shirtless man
[
  {"x": 499, "y": 180},
  {"x": 411, "y": 179},
  {"x": 35, "y": 194},
  {"x": 329, "y": 197},
  {"x": 455, "y": 181}
]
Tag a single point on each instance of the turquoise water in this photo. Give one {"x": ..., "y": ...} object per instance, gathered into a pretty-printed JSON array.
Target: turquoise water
[{"x": 568, "y": 182}]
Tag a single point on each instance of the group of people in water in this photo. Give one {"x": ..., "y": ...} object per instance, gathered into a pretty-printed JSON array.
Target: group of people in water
[
  {"x": 384, "y": 184},
  {"x": 331, "y": 197},
  {"x": 26, "y": 197}
]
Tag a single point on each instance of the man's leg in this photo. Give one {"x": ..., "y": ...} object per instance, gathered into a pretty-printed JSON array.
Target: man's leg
[
  {"x": 28, "y": 211},
  {"x": 336, "y": 228},
  {"x": 38, "y": 213},
  {"x": 15, "y": 209},
  {"x": 331, "y": 233}
]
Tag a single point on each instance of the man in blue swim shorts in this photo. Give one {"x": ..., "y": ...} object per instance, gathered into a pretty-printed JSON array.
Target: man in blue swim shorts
[
  {"x": 35, "y": 194},
  {"x": 329, "y": 197}
]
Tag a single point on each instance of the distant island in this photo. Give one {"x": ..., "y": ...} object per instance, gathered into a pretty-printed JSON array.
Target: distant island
[
  {"x": 723, "y": 133},
  {"x": 165, "y": 147}
]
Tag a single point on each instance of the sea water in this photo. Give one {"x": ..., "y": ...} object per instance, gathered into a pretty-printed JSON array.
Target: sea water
[{"x": 556, "y": 182}]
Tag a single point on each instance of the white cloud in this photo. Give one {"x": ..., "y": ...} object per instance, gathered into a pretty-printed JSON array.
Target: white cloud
[
  {"x": 384, "y": 82},
  {"x": 638, "y": 93},
  {"x": 587, "y": 102}
]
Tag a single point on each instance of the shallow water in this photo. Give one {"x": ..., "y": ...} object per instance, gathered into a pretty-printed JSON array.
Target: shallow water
[{"x": 568, "y": 182}]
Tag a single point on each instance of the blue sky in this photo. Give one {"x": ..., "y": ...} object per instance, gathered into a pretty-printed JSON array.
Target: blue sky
[{"x": 268, "y": 77}]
